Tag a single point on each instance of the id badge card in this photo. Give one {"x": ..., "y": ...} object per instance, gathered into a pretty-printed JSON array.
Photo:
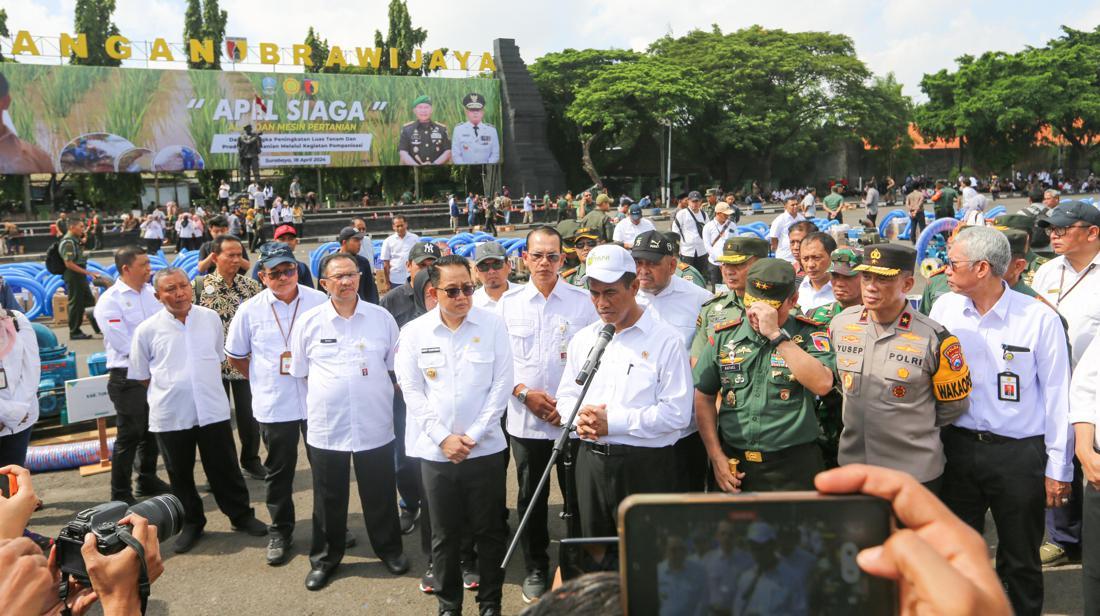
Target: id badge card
[
  {"x": 1008, "y": 387},
  {"x": 284, "y": 363},
  {"x": 3, "y": 379}
]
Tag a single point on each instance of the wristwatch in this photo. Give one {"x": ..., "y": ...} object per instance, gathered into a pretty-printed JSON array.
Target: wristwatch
[
  {"x": 522, "y": 395},
  {"x": 779, "y": 338}
]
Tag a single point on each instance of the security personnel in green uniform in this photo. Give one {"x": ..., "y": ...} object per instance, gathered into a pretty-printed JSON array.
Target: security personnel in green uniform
[
  {"x": 584, "y": 240},
  {"x": 846, "y": 290},
  {"x": 599, "y": 220},
  {"x": 738, "y": 255},
  {"x": 75, "y": 276},
  {"x": 943, "y": 200},
  {"x": 764, "y": 371},
  {"x": 683, "y": 270},
  {"x": 1026, "y": 224},
  {"x": 711, "y": 202},
  {"x": 422, "y": 141}
]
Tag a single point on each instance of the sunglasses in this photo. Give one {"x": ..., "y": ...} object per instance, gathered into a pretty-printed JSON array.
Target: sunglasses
[
  {"x": 491, "y": 264},
  {"x": 585, "y": 244},
  {"x": 552, "y": 257},
  {"x": 285, "y": 272},
  {"x": 452, "y": 292}
]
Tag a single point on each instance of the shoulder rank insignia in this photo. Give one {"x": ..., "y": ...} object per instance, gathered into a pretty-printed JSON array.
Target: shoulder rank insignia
[
  {"x": 807, "y": 320},
  {"x": 726, "y": 325}
]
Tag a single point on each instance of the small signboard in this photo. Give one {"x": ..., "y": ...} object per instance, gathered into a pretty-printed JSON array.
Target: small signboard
[{"x": 87, "y": 399}]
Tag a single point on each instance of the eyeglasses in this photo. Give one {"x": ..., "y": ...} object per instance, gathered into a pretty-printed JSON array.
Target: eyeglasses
[
  {"x": 552, "y": 257},
  {"x": 955, "y": 264},
  {"x": 341, "y": 278},
  {"x": 285, "y": 272},
  {"x": 466, "y": 289},
  {"x": 491, "y": 264},
  {"x": 585, "y": 244},
  {"x": 1061, "y": 231}
]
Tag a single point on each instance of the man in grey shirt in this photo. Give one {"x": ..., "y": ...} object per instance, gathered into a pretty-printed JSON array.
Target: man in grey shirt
[{"x": 870, "y": 201}]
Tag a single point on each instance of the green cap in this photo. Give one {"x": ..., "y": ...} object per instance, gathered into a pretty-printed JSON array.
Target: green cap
[
  {"x": 1023, "y": 222},
  {"x": 1017, "y": 241},
  {"x": 844, "y": 262},
  {"x": 888, "y": 259},
  {"x": 588, "y": 232},
  {"x": 737, "y": 250},
  {"x": 771, "y": 281},
  {"x": 602, "y": 198},
  {"x": 423, "y": 98}
]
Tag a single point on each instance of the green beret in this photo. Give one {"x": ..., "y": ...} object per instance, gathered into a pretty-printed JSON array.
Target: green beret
[
  {"x": 423, "y": 98},
  {"x": 1023, "y": 222},
  {"x": 739, "y": 249},
  {"x": 1017, "y": 241},
  {"x": 771, "y": 281}
]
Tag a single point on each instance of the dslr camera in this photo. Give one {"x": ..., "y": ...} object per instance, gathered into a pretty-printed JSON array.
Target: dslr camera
[{"x": 165, "y": 512}]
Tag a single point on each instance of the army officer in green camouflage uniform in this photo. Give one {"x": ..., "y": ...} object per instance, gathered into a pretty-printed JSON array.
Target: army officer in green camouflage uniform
[
  {"x": 422, "y": 141},
  {"x": 738, "y": 255},
  {"x": 764, "y": 371}
]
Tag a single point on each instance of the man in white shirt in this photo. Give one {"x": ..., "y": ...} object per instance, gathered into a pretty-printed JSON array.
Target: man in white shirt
[
  {"x": 629, "y": 228},
  {"x": 395, "y": 251},
  {"x": 223, "y": 194},
  {"x": 688, "y": 224},
  {"x": 715, "y": 233},
  {"x": 258, "y": 345},
  {"x": 638, "y": 403},
  {"x": 541, "y": 316},
  {"x": 674, "y": 302},
  {"x": 493, "y": 270},
  {"x": 152, "y": 231},
  {"x": 454, "y": 366},
  {"x": 178, "y": 352},
  {"x": 777, "y": 234},
  {"x": 1011, "y": 452},
  {"x": 1084, "y": 414},
  {"x": 816, "y": 288},
  {"x": 21, "y": 369},
  {"x": 528, "y": 210},
  {"x": 119, "y": 311},
  {"x": 344, "y": 348},
  {"x": 1071, "y": 283},
  {"x": 809, "y": 204}
]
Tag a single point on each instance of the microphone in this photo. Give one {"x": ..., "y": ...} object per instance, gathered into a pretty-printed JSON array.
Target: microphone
[{"x": 596, "y": 353}]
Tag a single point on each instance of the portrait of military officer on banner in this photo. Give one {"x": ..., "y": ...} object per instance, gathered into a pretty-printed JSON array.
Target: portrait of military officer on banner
[
  {"x": 475, "y": 142},
  {"x": 423, "y": 141}
]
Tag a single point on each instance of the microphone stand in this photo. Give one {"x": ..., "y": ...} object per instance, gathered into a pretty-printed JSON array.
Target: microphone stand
[{"x": 559, "y": 445}]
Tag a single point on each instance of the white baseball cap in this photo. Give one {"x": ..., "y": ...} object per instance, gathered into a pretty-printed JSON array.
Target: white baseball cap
[{"x": 608, "y": 262}]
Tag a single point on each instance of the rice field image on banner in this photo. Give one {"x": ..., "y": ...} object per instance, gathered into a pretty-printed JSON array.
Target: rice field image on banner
[{"x": 82, "y": 119}]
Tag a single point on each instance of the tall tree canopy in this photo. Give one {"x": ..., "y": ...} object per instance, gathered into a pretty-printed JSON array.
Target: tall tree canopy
[{"x": 93, "y": 18}]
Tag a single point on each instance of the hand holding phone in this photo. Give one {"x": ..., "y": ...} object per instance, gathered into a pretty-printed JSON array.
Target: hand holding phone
[
  {"x": 939, "y": 562},
  {"x": 17, "y": 501}
]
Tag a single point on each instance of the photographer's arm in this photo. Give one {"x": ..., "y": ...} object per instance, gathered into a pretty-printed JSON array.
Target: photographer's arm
[{"x": 16, "y": 510}]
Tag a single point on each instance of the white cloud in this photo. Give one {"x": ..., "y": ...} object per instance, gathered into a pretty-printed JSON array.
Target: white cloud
[{"x": 908, "y": 37}]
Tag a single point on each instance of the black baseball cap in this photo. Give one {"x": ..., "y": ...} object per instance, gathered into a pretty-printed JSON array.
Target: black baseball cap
[
  {"x": 274, "y": 253},
  {"x": 422, "y": 251},
  {"x": 652, "y": 246},
  {"x": 694, "y": 196},
  {"x": 349, "y": 232},
  {"x": 1069, "y": 212}
]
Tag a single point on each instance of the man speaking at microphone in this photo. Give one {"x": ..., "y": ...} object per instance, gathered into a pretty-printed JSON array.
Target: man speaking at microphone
[{"x": 639, "y": 402}]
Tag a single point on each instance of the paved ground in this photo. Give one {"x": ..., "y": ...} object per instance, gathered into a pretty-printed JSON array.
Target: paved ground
[{"x": 226, "y": 572}]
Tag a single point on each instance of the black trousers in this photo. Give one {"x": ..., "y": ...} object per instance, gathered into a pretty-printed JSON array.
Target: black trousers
[
  {"x": 792, "y": 468},
  {"x": 217, "y": 451},
  {"x": 281, "y": 441},
  {"x": 920, "y": 222},
  {"x": 331, "y": 482},
  {"x": 1007, "y": 478},
  {"x": 1090, "y": 556},
  {"x": 532, "y": 455},
  {"x": 466, "y": 498},
  {"x": 605, "y": 479},
  {"x": 153, "y": 245},
  {"x": 1064, "y": 523},
  {"x": 691, "y": 463},
  {"x": 13, "y": 448},
  {"x": 466, "y": 551},
  {"x": 408, "y": 469},
  {"x": 134, "y": 440},
  {"x": 248, "y": 431}
]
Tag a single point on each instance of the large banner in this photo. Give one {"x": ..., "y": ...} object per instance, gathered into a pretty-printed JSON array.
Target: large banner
[{"x": 78, "y": 119}]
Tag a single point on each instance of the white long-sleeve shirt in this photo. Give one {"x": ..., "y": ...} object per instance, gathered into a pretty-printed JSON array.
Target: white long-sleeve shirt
[
  {"x": 1084, "y": 389},
  {"x": 22, "y": 371},
  {"x": 714, "y": 237},
  {"x": 454, "y": 382},
  {"x": 1076, "y": 296},
  {"x": 539, "y": 330},
  {"x": 691, "y": 238},
  {"x": 1023, "y": 396},
  {"x": 644, "y": 379},
  {"x": 778, "y": 231},
  {"x": 118, "y": 312}
]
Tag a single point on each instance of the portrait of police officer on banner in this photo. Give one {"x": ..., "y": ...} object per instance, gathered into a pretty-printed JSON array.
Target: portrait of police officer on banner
[
  {"x": 423, "y": 141},
  {"x": 474, "y": 142}
]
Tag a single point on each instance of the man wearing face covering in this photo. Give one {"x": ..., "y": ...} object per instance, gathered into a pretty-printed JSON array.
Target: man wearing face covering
[{"x": 19, "y": 373}]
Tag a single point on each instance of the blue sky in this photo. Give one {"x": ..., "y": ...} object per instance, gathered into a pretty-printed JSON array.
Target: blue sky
[{"x": 908, "y": 37}]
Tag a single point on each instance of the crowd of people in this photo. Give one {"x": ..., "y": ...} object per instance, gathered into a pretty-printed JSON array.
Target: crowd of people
[{"x": 791, "y": 355}]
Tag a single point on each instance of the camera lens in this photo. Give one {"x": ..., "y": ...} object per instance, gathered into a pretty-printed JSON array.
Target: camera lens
[{"x": 164, "y": 511}]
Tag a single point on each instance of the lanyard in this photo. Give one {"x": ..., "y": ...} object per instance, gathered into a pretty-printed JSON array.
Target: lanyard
[
  {"x": 286, "y": 336},
  {"x": 1062, "y": 281}
]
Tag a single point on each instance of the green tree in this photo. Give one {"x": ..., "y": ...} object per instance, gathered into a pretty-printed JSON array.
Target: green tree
[
  {"x": 1069, "y": 91},
  {"x": 318, "y": 53},
  {"x": 402, "y": 36},
  {"x": 882, "y": 120},
  {"x": 4, "y": 30},
  {"x": 629, "y": 99},
  {"x": 192, "y": 29},
  {"x": 93, "y": 17},
  {"x": 213, "y": 28}
]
